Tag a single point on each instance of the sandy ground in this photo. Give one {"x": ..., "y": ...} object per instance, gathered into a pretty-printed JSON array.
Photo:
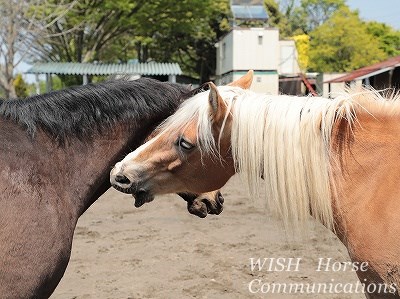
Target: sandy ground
[{"x": 161, "y": 251}]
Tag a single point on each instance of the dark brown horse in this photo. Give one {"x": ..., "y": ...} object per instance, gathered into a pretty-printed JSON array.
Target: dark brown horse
[{"x": 56, "y": 151}]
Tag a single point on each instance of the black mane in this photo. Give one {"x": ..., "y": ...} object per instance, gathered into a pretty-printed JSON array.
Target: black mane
[{"x": 82, "y": 110}]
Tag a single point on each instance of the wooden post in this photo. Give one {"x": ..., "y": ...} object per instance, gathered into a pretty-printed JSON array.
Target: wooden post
[
  {"x": 329, "y": 90},
  {"x": 85, "y": 79},
  {"x": 391, "y": 78}
]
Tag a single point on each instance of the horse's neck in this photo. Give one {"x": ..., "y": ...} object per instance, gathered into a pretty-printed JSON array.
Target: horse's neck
[
  {"x": 71, "y": 176},
  {"x": 368, "y": 205},
  {"x": 368, "y": 175},
  {"x": 88, "y": 164}
]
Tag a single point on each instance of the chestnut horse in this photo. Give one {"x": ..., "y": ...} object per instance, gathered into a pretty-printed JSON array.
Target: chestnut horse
[
  {"x": 336, "y": 159},
  {"x": 56, "y": 153}
]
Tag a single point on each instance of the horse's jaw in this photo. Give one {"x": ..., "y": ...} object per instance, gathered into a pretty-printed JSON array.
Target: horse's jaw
[{"x": 141, "y": 197}]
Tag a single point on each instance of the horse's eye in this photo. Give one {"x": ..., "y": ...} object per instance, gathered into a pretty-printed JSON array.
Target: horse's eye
[{"x": 184, "y": 144}]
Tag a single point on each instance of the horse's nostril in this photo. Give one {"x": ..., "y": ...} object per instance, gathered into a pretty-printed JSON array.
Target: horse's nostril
[{"x": 119, "y": 178}]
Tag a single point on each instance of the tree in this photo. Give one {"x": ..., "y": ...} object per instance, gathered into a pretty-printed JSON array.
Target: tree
[
  {"x": 86, "y": 31},
  {"x": 318, "y": 12},
  {"x": 185, "y": 33},
  {"x": 389, "y": 39},
  {"x": 293, "y": 19},
  {"x": 303, "y": 47},
  {"x": 275, "y": 17},
  {"x": 343, "y": 44},
  {"x": 17, "y": 31},
  {"x": 120, "y": 30},
  {"x": 21, "y": 88},
  {"x": 289, "y": 18}
]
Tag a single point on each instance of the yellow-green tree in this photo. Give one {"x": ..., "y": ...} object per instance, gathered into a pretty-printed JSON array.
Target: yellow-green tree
[
  {"x": 21, "y": 88},
  {"x": 343, "y": 44},
  {"x": 303, "y": 45}
]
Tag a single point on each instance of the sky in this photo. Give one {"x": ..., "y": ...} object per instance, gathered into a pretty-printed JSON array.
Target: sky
[{"x": 384, "y": 11}]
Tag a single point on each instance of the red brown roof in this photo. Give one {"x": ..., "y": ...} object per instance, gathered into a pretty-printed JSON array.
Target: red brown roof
[{"x": 368, "y": 71}]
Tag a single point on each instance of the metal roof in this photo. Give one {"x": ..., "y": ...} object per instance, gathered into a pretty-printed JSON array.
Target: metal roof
[
  {"x": 369, "y": 71},
  {"x": 72, "y": 68}
]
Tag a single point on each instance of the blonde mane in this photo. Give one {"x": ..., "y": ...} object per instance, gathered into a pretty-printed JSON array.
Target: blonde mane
[{"x": 285, "y": 140}]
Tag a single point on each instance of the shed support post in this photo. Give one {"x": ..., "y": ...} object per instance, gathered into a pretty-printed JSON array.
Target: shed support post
[
  {"x": 37, "y": 84},
  {"x": 49, "y": 84},
  {"x": 85, "y": 79},
  {"x": 172, "y": 78}
]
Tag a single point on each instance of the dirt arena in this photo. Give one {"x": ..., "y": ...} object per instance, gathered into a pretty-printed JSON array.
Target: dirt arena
[{"x": 161, "y": 251}]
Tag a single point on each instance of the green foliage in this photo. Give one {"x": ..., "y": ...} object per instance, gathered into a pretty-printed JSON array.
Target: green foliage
[
  {"x": 290, "y": 21},
  {"x": 57, "y": 84},
  {"x": 389, "y": 39},
  {"x": 276, "y": 17},
  {"x": 85, "y": 32},
  {"x": 343, "y": 44},
  {"x": 340, "y": 41},
  {"x": 21, "y": 88},
  {"x": 186, "y": 32},
  {"x": 119, "y": 30},
  {"x": 296, "y": 20},
  {"x": 318, "y": 12}
]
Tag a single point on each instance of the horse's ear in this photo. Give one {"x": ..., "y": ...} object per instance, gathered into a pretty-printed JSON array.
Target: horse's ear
[
  {"x": 217, "y": 105},
  {"x": 245, "y": 81}
]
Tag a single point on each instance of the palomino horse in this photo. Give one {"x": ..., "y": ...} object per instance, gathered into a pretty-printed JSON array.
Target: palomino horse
[
  {"x": 336, "y": 159},
  {"x": 56, "y": 153}
]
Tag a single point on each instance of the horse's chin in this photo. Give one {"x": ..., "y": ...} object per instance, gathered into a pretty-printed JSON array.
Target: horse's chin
[{"x": 142, "y": 197}]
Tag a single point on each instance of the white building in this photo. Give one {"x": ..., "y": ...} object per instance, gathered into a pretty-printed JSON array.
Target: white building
[
  {"x": 288, "y": 58},
  {"x": 258, "y": 49},
  {"x": 331, "y": 89}
]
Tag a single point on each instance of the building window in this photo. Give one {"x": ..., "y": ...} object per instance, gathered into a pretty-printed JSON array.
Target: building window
[
  {"x": 223, "y": 54},
  {"x": 260, "y": 40}
]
